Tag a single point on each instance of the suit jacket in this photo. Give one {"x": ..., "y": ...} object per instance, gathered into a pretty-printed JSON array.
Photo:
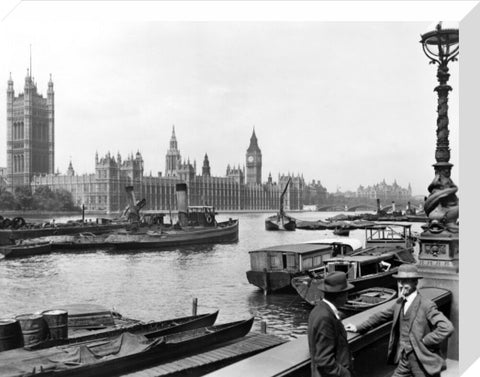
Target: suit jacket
[
  {"x": 327, "y": 340},
  {"x": 428, "y": 327}
]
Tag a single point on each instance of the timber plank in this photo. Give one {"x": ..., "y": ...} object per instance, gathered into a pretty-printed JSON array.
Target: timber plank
[{"x": 244, "y": 347}]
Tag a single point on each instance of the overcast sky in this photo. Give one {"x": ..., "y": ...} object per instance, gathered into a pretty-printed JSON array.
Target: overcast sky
[{"x": 348, "y": 103}]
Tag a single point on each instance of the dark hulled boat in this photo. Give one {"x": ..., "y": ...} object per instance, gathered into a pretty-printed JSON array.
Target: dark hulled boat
[
  {"x": 196, "y": 225},
  {"x": 9, "y": 236},
  {"x": 149, "y": 330},
  {"x": 25, "y": 250},
  {"x": 365, "y": 269},
  {"x": 222, "y": 232},
  {"x": 281, "y": 221},
  {"x": 77, "y": 323},
  {"x": 118, "y": 355}
]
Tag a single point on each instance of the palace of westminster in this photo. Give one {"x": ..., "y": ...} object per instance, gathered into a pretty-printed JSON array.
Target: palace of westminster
[{"x": 31, "y": 161}]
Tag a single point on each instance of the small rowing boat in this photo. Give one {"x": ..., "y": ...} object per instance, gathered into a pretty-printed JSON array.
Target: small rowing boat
[
  {"x": 25, "y": 250},
  {"x": 366, "y": 299}
]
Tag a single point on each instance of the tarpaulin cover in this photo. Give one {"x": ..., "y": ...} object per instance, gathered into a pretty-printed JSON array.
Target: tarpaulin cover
[{"x": 22, "y": 363}]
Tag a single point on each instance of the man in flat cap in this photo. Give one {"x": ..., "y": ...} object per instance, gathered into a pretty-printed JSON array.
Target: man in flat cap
[
  {"x": 417, "y": 331},
  {"x": 327, "y": 338}
]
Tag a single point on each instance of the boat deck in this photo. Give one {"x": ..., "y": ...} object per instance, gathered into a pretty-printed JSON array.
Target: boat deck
[{"x": 213, "y": 359}]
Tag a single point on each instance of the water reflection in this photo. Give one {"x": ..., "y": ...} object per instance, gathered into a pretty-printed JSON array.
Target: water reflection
[
  {"x": 286, "y": 315},
  {"x": 161, "y": 284}
]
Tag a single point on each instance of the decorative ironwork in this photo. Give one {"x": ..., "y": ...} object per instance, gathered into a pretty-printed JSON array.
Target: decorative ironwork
[
  {"x": 436, "y": 250},
  {"x": 442, "y": 206}
]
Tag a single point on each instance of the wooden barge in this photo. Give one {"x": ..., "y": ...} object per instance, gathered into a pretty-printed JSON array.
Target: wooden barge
[
  {"x": 272, "y": 268},
  {"x": 10, "y": 236},
  {"x": 78, "y": 323}
]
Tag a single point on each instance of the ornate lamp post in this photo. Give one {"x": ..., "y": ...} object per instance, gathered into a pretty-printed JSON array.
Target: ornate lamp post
[
  {"x": 439, "y": 251},
  {"x": 439, "y": 241}
]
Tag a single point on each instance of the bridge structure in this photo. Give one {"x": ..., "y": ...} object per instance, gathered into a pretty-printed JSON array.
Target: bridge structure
[
  {"x": 364, "y": 207},
  {"x": 333, "y": 207},
  {"x": 339, "y": 207}
]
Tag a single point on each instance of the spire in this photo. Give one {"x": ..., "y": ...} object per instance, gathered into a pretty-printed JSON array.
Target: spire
[
  {"x": 253, "y": 147},
  {"x": 206, "y": 166},
  {"x": 10, "y": 84},
  {"x": 70, "y": 171},
  {"x": 173, "y": 139},
  {"x": 31, "y": 72}
]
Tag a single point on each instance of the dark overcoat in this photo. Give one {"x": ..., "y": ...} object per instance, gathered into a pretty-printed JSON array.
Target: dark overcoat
[
  {"x": 428, "y": 328},
  {"x": 327, "y": 340}
]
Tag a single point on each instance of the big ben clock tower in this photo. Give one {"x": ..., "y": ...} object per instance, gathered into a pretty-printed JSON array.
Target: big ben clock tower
[{"x": 254, "y": 161}]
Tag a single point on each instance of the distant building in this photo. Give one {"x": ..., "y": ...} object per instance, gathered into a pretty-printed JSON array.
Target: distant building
[
  {"x": 386, "y": 192},
  {"x": 105, "y": 190},
  {"x": 314, "y": 194},
  {"x": 30, "y": 133}
]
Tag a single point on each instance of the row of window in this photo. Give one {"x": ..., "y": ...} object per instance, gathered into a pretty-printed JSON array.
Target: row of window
[{"x": 40, "y": 131}]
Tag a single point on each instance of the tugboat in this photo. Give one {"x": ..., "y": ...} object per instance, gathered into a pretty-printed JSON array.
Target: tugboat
[{"x": 196, "y": 225}]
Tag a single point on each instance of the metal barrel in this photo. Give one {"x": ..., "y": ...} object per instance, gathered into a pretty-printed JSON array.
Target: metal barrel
[
  {"x": 57, "y": 322},
  {"x": 33, "y": 328},
  {"x": 10, "y": 334}
]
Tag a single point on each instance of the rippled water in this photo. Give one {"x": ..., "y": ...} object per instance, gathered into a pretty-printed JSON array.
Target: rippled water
[{"x": 157, "y": 285}]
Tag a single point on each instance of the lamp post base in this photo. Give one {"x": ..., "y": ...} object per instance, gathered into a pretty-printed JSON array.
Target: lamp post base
[{"x": 438, "y": 263}]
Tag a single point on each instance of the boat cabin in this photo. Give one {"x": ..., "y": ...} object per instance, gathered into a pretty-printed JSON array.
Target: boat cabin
[
  {"x": 389, "y": 234},
  {"x": 153, "y": 218},
  {"x": 201, "y": 215},
  {"x": 299, "y": 257},
  {"x": 359, "y": 266},
  {"x": 340, "y": 246}
]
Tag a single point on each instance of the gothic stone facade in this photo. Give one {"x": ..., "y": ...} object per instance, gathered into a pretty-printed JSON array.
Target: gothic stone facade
[
  {"x": 105, "y": 190},
  {"x": 30, "y": 133}
]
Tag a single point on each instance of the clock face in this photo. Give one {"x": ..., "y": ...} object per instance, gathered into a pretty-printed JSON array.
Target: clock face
[{"x": 250, "y": 158}]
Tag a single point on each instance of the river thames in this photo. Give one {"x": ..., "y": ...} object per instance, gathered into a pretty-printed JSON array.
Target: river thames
[{"x": 156, "y": 285}]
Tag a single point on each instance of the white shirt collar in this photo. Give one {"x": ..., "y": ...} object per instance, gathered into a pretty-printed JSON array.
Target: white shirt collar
[
  {"x": 335, "y": 310},
  {"x": 409, "y": 300}
]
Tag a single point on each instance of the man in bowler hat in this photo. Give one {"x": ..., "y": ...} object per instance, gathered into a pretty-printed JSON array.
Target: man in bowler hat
[
  {"x": 327, "y": 338},
  {"x": 417, "y": 331}
]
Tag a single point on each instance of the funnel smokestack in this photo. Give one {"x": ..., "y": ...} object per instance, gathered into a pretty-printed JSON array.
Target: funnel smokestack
[
  {"x": 378, "y": 205},
  {"x": 393, "y": 206},
  {"x": 182, "y": 202},
  {"x": 130, "y": 196}
]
